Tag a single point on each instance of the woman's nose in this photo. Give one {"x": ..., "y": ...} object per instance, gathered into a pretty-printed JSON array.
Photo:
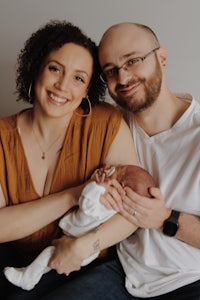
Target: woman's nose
[{"x": 62, "y": 83}]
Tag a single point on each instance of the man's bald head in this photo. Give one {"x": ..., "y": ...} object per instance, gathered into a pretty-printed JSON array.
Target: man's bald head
[{"x": 121, "y": 29}]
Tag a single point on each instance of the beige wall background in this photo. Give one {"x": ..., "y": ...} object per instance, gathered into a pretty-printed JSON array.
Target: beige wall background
[{"x": 176, "y": 22}]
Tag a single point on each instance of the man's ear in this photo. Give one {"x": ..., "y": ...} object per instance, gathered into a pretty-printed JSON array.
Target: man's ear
[{"x": 162, "y": 56}]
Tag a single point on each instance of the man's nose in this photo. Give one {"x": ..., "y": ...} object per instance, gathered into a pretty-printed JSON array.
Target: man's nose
[{"x": 123, "y": 76}]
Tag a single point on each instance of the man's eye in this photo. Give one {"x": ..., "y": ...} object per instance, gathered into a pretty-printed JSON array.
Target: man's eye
[{"x": 132, "y": 61}]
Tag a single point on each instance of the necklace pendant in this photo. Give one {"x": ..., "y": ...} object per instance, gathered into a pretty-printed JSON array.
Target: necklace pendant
[{"x": 43, "y": 155}]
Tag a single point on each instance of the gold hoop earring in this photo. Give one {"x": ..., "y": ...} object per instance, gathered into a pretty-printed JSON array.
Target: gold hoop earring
[
  {"x": 29, "y": 93},
  {"x": 90, "y": 108}
]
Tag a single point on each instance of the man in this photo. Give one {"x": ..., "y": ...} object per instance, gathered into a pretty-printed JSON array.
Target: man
[{"x": 162, "y": 259}]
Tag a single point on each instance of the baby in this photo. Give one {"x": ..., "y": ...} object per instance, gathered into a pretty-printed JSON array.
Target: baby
[{"x": 89, "y": 214}]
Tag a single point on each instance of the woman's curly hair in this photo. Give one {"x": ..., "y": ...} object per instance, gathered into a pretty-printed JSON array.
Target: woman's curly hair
[{"x": 46, "y": 39}]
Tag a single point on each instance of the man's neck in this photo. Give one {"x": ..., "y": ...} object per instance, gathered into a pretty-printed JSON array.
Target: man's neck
[{"x": 162, "y": 115}]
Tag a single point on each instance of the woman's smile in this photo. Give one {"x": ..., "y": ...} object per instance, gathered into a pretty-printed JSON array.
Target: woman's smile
[{"x": 57, "y": 99}]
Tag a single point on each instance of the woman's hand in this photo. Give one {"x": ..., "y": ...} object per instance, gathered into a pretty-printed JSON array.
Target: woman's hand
[
  {"x": 68, "y": 255},
  {"x": 143, "y": 211}
]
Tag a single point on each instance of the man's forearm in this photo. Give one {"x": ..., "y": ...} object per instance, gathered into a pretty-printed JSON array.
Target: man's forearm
[{"x": 189, "y": 229}]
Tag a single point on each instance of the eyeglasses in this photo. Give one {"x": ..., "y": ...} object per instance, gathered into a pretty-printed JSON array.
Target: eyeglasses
[{"x": 110, "y": 74}]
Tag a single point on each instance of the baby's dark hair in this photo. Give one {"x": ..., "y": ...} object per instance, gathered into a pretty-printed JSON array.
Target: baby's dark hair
[
  {"x": 137, "y": 178},
  {"x": 46, "y": 39}
]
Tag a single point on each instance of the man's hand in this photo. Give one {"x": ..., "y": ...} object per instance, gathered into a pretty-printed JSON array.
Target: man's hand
[{"x": 143, "y": 211}]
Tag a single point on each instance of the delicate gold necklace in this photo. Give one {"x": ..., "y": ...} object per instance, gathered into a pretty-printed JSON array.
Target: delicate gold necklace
[{"x": 43, "y": 156}]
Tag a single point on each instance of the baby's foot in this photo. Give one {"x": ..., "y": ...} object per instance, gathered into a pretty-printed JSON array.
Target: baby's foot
[{"x": 16, "y": 277}]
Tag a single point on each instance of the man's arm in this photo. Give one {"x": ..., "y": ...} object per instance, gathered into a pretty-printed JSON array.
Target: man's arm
[
  {"x": 189, "y": 229},
  {"x": 152, "y": 213}
]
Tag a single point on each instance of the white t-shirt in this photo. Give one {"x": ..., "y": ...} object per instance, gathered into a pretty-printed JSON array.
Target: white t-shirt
[{"x": 156, "y": 264}]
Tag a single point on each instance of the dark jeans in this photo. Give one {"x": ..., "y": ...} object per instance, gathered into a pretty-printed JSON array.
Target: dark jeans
[
  {"x": 107, "y": 282},
  {"x": 98, "y": 281}
]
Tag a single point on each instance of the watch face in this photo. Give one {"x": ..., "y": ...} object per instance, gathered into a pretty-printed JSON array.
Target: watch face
[{"x": 170, "y": 228}]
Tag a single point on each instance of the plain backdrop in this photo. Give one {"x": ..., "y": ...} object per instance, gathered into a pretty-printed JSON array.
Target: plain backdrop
[{"x": 176, "y": 22}]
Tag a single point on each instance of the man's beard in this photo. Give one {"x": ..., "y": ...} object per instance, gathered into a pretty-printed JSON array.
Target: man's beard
[{"x": 152, "y": 88}]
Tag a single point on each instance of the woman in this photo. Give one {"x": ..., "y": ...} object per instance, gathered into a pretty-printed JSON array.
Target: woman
[{"x": 49, "y": 151}]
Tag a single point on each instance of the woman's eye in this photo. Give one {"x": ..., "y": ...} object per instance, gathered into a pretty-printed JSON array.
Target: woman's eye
[
  {"x": 55, "y": 69},
  {"x": 79, "y": 78}
]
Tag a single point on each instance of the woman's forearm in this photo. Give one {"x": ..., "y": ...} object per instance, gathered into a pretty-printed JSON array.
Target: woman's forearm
[
  {"x": 71, "y": 252},
  {"x": 23, "y": 219},
  {"x": 106, "y": 235}
]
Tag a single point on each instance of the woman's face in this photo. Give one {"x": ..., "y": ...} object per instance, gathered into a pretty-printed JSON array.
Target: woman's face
[{"x": 63, "y": 80}]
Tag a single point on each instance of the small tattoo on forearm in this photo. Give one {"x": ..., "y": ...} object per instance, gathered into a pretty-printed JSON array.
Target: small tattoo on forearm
[
  {"x": 96, "y": 245},
  {"x": 198, "y": 218}
]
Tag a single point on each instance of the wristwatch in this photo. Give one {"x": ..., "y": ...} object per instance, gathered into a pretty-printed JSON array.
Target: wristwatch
[{"x": 170, "y": 225}]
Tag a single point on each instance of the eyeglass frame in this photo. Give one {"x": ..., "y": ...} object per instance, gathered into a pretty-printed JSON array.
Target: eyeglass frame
[{"x": 124, "y": 66}]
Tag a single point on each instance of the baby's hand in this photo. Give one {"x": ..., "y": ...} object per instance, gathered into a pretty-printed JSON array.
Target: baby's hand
[{"x": 100, "y": 176}]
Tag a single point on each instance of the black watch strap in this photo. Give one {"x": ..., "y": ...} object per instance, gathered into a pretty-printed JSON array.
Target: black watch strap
[
  {"x": 170, "y": 226},
  {"x": 174, "y": 216}
]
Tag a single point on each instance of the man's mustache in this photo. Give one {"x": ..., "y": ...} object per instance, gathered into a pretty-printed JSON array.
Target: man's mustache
[{"x": 120, "y": 87}]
